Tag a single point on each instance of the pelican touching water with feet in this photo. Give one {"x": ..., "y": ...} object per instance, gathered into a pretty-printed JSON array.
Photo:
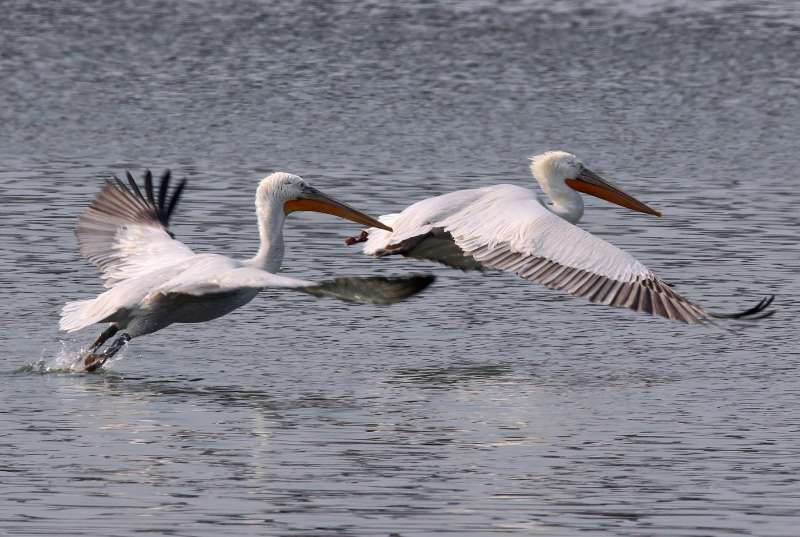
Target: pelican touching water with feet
[
  {"x": 510, "y": 228},
  {"x": 154, "y": 280}
]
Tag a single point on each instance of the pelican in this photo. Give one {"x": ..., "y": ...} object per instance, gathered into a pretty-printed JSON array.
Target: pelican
[
  {"x": 509, "y": 228},
  {"x": 154, "y": 280}
]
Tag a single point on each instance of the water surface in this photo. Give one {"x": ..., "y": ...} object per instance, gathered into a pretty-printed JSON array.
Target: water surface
[{"x": 487, "y": 405}]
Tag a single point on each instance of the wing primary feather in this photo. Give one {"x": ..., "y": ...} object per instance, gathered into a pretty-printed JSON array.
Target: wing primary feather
[
  {"x": 134, "y": 186},
  {"x": 633, "y": 297},
  {"x": 690, "y": 316},
  {"x": 496, "y": 258},
  {"x": 116, "y": 202},
  {"x": 508, "y": 258},
  {"x": 602, "y": 289},
  {"x": 148, "y": 187},
  {"x": 479, "y": 252},
  {"x": 371, "y": 290},
  {"x": 546, "y": 271},
  {"x": 580, "y": 281},
  {"x": 173, "y": 202},
  {"x": 120, "y": 197},
  {"x": 120, "y": 185},
  {"x": 657, "y": 308},
  {"x": 570, "y": 279},
  {"x": 666, "y": 288},
  {"x": 669, "y": 308},
  {"x": 519, "y": 263},
  {"x": 611, "y": 294},
  {"x": 587, "y": 285},
  {"x": 552, "y": 274},
  {"x": 163, "y": 188},
  {"x": 752, "y": 313},
  {"x": 645, "y": 303},
  {"x": 530, "y": 270},
  {"x": 552, "y": 278}
]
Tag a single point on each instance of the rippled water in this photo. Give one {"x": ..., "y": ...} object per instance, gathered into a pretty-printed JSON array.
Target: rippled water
[{"x": 487, "y": 405}]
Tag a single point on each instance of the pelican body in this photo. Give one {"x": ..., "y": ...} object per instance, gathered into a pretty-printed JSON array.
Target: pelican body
[
  {"x": 511, "y": 228},
  {"x": 154, "y": 280}
]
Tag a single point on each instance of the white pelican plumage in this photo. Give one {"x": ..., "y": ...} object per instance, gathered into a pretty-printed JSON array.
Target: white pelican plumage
[
  {"x": 509, "y": 228},
  {"x": 154, "y": 280}
]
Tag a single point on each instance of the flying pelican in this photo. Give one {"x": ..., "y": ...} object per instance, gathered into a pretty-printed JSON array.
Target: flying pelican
[
  {"x": 510, "y": 228},
  {"x": 154, "y": 280}
]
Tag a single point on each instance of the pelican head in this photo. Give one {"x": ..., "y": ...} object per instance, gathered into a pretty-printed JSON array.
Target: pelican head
[
  {"x": 295, "y": 194},
  {"x": 559, "y": 173}
]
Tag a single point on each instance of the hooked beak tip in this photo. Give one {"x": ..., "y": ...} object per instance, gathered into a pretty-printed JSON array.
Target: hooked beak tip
[{"x": 314, "y": 200}]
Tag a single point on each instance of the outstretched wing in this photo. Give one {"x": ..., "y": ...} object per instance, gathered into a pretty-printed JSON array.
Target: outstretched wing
[
  {"x": 507, "y": 228},
  {"x": 124, "y": 230},
  {"x": 213, "y": 279}
]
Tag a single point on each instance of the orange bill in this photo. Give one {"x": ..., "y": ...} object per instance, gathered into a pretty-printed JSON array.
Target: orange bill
[
  {"x": 590, "y": 183},
  {"x": 316, "y": 201}
]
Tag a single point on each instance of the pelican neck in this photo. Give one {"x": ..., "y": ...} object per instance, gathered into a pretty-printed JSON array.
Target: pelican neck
[{"x": 271, "y": 219}]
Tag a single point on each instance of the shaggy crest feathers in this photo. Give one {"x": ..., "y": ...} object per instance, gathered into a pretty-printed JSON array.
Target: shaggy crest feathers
[
  {"x": 553, "y": 165},
  {"x": 280, "y": 185}
]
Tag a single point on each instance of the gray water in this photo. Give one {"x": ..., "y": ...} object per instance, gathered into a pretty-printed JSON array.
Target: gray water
[{"x": 488, "y": 405}]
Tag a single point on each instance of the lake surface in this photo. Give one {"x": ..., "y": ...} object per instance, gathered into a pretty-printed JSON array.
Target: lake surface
[{"x": 487, "y": 405}]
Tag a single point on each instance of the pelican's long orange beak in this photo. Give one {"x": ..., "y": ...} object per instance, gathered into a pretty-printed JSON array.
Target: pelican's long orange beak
[
  {"x": 314, "y": 200},
  {"x": 590, "y": 183}
]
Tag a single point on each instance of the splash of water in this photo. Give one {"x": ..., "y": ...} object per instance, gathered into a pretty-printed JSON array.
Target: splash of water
[{"x": 67, "y": 359}]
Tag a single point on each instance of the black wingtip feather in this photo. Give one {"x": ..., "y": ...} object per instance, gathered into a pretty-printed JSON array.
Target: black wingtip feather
[
  {"x": 757, "y": 312},
  {"x": 176, "y": 194},
  {"x": 164, "y": 205},
  {"x": 119, "y": 184},
  {"x": 163, "y": 188},
  {"x": 372, "y": 289},
  {"x": 148, "y": 186},
  {"x": 134, "y": 186}
]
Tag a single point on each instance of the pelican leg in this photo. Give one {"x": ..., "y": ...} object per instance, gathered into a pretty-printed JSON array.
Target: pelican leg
[
  {"x": 102, "y": 338},
  {"x": 93, "y": 361}
]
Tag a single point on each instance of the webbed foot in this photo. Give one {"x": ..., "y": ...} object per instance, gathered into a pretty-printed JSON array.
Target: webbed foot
[{"x": 349, "y": 241}]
